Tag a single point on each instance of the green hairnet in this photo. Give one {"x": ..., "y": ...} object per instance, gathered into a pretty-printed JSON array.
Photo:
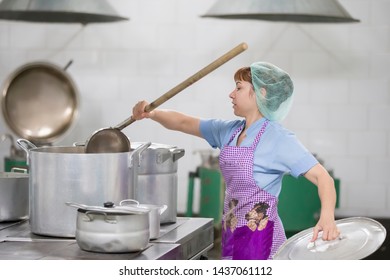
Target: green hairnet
[{"x": 276, "y": 103}]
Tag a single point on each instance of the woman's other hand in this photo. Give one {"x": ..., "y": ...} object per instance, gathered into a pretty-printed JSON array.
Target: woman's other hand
[{"x": 328, "y": 227}]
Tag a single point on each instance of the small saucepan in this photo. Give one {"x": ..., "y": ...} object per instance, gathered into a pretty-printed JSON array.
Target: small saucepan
[
  {"x": 111, "y": 229},
  {"x": 154, "y": 215}
]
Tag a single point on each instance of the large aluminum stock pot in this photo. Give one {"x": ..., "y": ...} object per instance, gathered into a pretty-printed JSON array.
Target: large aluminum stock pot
[
  {"x": 157, "y": 178},
  {"x": 62, "y": 174}
]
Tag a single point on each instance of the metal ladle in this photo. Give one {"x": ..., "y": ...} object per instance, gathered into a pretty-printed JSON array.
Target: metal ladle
[{"x": 113, "y": 140}]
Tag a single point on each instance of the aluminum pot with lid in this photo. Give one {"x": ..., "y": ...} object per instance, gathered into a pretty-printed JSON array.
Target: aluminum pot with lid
[
  {"x": 59, "y": 174},
  {"x": 157, "y": 178},
  {"x": 111, "y": 229}
]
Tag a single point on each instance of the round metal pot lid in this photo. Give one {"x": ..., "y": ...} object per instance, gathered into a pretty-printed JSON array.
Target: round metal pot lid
[
  {"x": 109, "y": 210},
  {"x": 40, "y": 102},
  {"x": 359, "y": 238}
]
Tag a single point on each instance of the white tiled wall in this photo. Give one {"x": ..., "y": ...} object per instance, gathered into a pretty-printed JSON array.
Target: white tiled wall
[{"x": 341, "y": 71}]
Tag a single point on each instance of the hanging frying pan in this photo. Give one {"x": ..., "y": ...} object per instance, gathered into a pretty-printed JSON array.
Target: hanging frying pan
[
  {"x": 40, "y": 102},
  {"x": 359, "y": 238}
]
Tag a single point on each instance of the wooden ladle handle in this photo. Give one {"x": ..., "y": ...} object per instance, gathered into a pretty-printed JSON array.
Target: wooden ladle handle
[{"x": 189, "y": 81}]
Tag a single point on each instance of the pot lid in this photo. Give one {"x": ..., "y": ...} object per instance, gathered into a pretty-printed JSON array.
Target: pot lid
[
  {"x": 359, "y": 238},
  {"x": 109, "y": 208}
]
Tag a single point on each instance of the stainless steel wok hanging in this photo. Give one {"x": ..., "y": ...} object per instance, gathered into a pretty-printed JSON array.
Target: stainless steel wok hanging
[{"x": 40, "y": 102}]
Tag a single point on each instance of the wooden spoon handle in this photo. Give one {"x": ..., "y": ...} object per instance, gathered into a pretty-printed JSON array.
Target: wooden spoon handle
[{"x": 189, "y": 81}]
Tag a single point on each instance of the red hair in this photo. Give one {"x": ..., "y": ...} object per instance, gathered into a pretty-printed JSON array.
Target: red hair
[{"x": 243, "y": 74}]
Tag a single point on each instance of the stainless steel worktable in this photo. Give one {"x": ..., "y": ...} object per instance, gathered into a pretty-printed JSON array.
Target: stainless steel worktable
[{"x": 188, "y": 238}]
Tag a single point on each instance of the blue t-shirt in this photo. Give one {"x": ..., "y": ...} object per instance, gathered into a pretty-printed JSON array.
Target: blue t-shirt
[{"x": 279, "y": 151}]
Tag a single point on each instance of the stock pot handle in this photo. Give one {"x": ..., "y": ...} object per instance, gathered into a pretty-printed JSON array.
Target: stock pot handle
[
  {"x": 134, "y": 163},
  {"x": 137, "y": 152},
  {"x": 177, "y": 154},
  {"x": 89, "y": 217},
  {"x": 26, "y": 146}
]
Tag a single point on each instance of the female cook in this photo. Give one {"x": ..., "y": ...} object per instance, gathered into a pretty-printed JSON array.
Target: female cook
[{"x": 255, "y": 153}]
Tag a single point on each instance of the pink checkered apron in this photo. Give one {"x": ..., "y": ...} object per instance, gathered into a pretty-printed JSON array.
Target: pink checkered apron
[{"x": 251, "y": 227}]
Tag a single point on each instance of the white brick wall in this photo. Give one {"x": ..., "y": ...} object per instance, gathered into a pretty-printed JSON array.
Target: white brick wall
[{"x": 341, "y": 71}]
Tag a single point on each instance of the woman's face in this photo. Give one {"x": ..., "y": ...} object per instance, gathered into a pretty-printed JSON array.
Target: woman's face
[{"x": 243, "y": 99}]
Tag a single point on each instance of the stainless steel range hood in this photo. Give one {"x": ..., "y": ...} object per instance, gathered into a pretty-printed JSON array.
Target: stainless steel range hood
[
  {"x": 59, "y": 11},
  {"x": 304, "y": 11}
]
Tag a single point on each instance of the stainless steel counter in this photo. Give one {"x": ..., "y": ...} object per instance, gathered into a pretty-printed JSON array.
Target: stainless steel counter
[{"x": 188, "y": 238}]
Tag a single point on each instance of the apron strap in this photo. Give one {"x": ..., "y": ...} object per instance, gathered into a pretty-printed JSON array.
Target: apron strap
[
  {"x": 257, "y": 139},
  {"x": 238, "y": 130}
]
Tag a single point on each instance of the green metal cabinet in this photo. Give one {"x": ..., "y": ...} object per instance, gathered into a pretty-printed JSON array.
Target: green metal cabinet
[
  {"x": 212, "y": 191},
  {"x": 299, "y": 204},
  {"x": 10, "y": 163}
]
